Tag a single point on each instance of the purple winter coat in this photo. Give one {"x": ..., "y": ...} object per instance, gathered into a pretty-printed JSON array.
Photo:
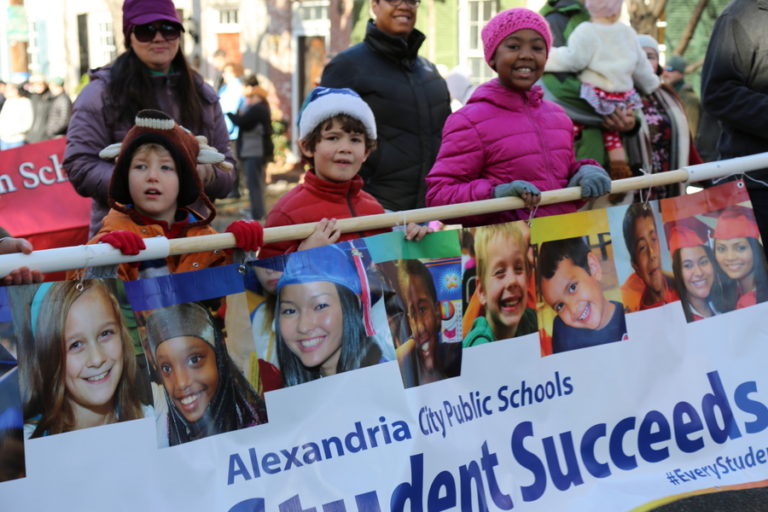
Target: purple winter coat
[
  {"x": 91, "y": 130},
  {"x": 502, "y": 135}
]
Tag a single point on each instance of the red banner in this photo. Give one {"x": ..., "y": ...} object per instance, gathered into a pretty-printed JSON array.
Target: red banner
[{"x": 37, "y": 201}]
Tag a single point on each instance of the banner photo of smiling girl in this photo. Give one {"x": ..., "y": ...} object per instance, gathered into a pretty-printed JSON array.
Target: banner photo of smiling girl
[
  {"x": 80, "y": 361},
  {"x": 198, "y": 388},
  {"x": 718, "y": 258}
]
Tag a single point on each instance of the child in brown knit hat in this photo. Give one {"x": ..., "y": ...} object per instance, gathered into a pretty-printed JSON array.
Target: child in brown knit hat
[{"x": 152, "y": 192}]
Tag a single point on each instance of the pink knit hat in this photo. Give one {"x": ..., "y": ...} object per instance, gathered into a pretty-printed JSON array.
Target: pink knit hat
[
  {"x": 509, "y": 21},
  {"x": 603, "y": 8}
]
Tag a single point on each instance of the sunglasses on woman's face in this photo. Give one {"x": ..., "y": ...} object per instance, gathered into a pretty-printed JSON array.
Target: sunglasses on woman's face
[{"x": 146, "y": 33}]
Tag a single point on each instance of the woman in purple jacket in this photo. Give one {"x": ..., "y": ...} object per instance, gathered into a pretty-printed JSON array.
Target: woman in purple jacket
[
  {"x": 152, "y": 73},
  {"x": 507, "y": 140}
]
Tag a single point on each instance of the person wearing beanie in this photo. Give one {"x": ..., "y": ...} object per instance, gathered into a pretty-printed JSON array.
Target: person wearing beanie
[
  {"x": 741, "y": 256},
  {"x": 323, "y": 316},
  {"x": 494, "y": 146},
  {"x": 337, "y": 132},
  {"x": 698, "y": 281},
  {"x": 662, "y": 141},
  {"x": 152, "y": 73},
  {"x": 406, "y": 94},
  {"x": 674, "y": 76},
  {"x": 205, "y": 391},
  {"x": 153, "y": 190},
  {"x": 610, "y": 62}
]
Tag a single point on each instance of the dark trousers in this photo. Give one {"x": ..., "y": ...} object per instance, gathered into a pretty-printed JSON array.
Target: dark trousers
[{"x": 254, "y": 174}]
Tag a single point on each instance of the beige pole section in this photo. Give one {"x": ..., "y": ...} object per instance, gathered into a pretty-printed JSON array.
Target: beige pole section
[
  {"x": 386, "y": 220},
  {"x": 67, "y": 258}
]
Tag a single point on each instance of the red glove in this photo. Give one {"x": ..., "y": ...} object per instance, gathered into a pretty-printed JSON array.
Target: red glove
[
  {"x": 128, "y": 242},
  {"x": 249, "y": 235}
]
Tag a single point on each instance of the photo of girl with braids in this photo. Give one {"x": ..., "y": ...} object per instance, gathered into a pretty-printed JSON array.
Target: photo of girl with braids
[
  {"x": 77, "y": 362},
  {"x": 324, "y": 324},
  {"x": 205, "y": 392}
]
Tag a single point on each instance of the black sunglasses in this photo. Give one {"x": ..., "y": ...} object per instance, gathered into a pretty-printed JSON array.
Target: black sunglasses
[
  {"x": 396, "y": 3},
  {"x": 146, "y": 33}
]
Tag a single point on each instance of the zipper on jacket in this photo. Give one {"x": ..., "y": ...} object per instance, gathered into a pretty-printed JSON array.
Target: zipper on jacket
[
  {"x": 349, "y": 203},
  {"x": 544, "y": 152}
]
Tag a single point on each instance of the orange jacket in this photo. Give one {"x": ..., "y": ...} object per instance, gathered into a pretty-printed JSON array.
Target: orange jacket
[{"x": 118, "y": 221}]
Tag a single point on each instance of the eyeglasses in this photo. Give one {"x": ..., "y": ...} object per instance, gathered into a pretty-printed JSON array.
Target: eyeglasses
[
  {"x": 396, "y": 3},
  {"x": 146, "y": 33}
]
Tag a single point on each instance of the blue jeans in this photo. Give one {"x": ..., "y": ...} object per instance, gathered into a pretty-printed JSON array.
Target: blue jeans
[{"x": 254, "y": 174}]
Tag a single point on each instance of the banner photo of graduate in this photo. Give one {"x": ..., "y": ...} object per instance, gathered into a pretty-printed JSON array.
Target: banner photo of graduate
[
  {"x": 377, "y": 299},
  {"x": 718, "y": 258},
  {"x": 601, "y": 360}
]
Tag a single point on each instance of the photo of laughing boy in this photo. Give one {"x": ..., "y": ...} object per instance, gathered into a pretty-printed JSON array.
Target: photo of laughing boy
[
  {"x": 574, "y": 284},
  {"x": 435, "y": 358}
]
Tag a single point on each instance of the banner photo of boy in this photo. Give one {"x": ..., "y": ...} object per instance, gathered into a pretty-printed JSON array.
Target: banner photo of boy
[
  {"x": 79, "y": 356},
  {"x": 718, "y": 258},
  {"x": 579, "y": 295},
  {"x": 643, "y": 263},
  {"x": 198, "y": 388},
  {"x": 499, "y": 285},
  {"x": 12, "y": 464},
  {"x": 423, "y": 297}
]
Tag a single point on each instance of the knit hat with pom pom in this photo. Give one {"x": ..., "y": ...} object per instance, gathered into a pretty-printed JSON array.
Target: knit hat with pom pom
[{"x": 509, "y": 21}]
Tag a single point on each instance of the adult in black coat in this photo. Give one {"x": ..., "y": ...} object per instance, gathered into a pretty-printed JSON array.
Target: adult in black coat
[
  {"x": 408, "y": 97},
  {"x": 734, "y": 90}
]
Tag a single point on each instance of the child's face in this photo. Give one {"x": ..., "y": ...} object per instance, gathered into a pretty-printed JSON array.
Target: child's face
[
  {"x": 268, "y": 278},
  {"x": 338, "y": 154},
  {"x": 311, "y": 324},
  {"x": 520, "y": 58},
  {"x": 93, "y": 352},
  {"x": 734, "y": 256},
  {"x": 154, "y": 183},
  {"x": 502, "y": 290},
  {"x": 424, "y": 320},
  {"x": 698, "y": 273},
  {"x": 188, "y": 369},
  {"x": 646, "y": 259},
  {"x": 576, "y": 296}
]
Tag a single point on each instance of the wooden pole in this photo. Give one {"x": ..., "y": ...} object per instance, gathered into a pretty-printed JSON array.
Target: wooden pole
[{"x": 68, "y": 258}]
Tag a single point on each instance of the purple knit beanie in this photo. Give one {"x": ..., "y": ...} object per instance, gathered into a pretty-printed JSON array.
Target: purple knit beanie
[
  {"x": 603, "y": 8},
  {"x": 509, "y": 21},
  {"x": 140, "y": 12}
]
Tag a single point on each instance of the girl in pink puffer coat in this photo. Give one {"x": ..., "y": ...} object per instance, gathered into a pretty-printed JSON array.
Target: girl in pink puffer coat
[{"x": 507, "y": 140}]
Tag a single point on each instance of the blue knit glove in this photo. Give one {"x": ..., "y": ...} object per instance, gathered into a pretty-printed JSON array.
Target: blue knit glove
[
  {"x": 515, "y": 188},
  {"x": 593, "y": 180}
]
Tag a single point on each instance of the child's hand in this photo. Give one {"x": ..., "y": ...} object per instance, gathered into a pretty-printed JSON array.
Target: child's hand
[
  {"x": 249, "y": 235},
  {"x": 206, "y": 172},
  {"x": 593, "y": 180},
  {"x": 416, "y": 232},
  {"x": 325, "y": 233},
  {"x": 22, "y": 275},
  {"x": 520, "y": 188},
  {"x": 129, "y": 243}
]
